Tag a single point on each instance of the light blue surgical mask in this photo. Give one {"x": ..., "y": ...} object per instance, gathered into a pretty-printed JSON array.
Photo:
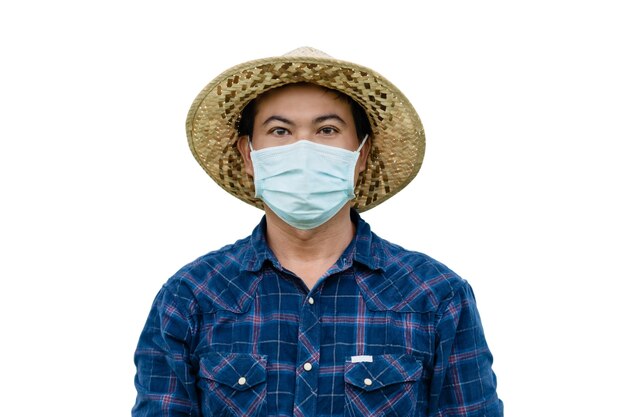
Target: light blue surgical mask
[{"x": 305, "y": 183}]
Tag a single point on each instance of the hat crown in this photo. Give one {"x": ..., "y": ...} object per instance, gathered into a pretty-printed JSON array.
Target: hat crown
[{"x": 307, "y": 51}]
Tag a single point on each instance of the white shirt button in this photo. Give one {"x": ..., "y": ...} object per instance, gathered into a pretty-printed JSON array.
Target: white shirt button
[
  {"x": 311, "y": 300},
  {"x": 368, "y": 382},
  {"x": 242, "y": 381},
  {"x": 307, "y": 366}
]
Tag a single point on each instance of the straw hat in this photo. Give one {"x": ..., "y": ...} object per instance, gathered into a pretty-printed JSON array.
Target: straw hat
[{"x": 398, "y": 136}]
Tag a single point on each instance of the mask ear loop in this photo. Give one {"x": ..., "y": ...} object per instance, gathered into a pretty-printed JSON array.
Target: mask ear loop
[
  {"x": 250, "y": 143},
  {"x": 358, "y": 149}
]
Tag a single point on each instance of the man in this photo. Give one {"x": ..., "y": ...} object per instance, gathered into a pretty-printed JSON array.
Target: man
[{"x": 312, "y": 314}]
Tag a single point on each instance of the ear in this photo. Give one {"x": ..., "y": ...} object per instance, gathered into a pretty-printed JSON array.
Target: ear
[
  {"x": 244, "y": 149},
  {"x": 361, "y": 163}
]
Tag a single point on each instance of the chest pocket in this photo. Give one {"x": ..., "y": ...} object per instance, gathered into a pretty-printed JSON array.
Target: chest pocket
[
  {"x": 386, "y": 386},
  {"x": 233, "y": 384}
]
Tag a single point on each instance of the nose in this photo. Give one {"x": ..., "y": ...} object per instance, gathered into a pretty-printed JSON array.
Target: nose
[{"x": 304, "y": 134}]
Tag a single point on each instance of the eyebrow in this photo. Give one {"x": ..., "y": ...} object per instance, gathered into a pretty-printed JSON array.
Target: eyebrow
[
  {"x": 329, "y": 117},
  {"x": 279, "y": 118},
  {"x": 317, "y": 120}
]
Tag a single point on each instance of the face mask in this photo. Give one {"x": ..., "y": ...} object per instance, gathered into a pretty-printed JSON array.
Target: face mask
[{"x": 305, "y": 183}]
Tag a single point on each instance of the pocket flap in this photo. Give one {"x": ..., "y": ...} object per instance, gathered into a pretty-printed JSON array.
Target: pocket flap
[
  {"x": 383, "y": 370},
  {"x": 239, "y": 371}
]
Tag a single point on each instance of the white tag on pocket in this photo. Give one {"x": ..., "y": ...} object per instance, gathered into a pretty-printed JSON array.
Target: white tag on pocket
[{"x": 362, "y": 358}]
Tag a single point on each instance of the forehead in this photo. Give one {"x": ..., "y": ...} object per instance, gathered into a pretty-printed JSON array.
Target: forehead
[{"x": 301, "y": 97}]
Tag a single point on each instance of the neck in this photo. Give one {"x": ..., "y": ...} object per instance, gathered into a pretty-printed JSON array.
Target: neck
[{"x": 309, "y": 253}]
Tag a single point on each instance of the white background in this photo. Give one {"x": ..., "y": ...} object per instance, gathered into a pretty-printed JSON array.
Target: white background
[{"x": 521, "y": 191}]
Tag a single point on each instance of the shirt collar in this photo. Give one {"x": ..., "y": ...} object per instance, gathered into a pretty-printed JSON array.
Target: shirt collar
[
  {"x": 258, "y": 251},
  {"x": 384, "y": 285},
  {"x": 368, "y": 250}
]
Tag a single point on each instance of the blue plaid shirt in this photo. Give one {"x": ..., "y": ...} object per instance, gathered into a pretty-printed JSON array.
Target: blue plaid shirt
[{"x": 385, "y": 332}]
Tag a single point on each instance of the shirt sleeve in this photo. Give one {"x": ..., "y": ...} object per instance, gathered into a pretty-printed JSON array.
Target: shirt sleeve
[
  {"x": 463, "y": 383},
  {"x": 165, "y": 381}
]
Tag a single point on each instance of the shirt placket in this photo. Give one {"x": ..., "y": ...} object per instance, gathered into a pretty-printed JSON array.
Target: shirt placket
[
  {"x": 309, "y": 340},
  {"x": 307, "y": 366}
]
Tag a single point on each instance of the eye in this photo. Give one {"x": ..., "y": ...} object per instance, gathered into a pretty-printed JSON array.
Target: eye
[
  {"x": 328, "y": 130},
  {"x": 279, "y": 131}
]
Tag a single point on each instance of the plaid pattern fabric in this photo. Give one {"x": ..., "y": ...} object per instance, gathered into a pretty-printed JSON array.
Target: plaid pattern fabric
[{"x": 385, "y": 332}]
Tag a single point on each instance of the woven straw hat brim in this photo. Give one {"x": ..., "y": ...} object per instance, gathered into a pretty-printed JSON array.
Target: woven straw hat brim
[{"x": 398, "y": 140}]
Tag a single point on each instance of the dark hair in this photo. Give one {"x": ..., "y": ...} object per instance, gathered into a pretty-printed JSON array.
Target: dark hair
[{"x": 361, "y": 122}]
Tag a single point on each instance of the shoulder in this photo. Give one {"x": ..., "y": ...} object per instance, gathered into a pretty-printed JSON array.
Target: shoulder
[
  {"x": 212, "y": 281},
  {"x": 408, "y": 281}
]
